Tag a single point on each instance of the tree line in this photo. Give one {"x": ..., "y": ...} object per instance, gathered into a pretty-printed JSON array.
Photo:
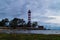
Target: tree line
[{"x": 16, "y": 22}]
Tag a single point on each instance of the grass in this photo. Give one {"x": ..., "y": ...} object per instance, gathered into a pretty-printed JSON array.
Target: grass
[{"x": 28, "y": 37}]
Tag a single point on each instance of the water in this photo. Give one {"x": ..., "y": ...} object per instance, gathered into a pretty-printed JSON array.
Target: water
[
  {"x": 40, "y": 31},
  {"x": 32, "y": 31}
]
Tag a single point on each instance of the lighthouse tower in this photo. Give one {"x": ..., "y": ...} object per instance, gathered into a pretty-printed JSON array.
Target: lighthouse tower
[{"x": 29, "y": 18}]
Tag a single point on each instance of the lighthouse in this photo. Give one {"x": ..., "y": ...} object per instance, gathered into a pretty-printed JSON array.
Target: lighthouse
[{"x": 29, "y": 18}]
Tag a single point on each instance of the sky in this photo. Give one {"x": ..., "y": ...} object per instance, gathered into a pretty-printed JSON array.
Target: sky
[{"x": 45, "y": 12}]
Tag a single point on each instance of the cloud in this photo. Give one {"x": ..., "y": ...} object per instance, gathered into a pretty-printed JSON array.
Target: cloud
[
  {"x": 55, "y": 5},
  {"x": 56, "y": 20}
]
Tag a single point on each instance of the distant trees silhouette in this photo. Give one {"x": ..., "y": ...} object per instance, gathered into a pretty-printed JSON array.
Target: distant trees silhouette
[
  {"x": 34, "y": 24},
  {"x": 15, "y": 22},
  {"x": 4, "y": 22}
]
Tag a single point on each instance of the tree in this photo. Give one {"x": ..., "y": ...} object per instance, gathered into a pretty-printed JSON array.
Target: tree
[
  {"x": 4, "y": 22},
  {"x": 21, "y": 23},
  {"x": 16, "y": 22},
  {"x": 34, "y": 24}
]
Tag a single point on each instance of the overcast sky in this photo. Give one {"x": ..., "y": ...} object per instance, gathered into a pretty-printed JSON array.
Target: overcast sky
[{"x": 45, "y": 12}]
